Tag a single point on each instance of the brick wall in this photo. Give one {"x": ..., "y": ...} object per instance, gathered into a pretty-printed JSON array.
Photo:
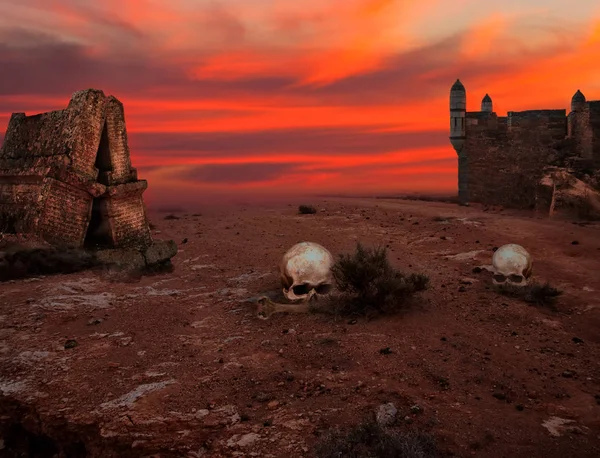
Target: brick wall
[
  {"x": 581, "y": 132},
  {"x": 66, "y": 214},
  {"x": 34, "y": 141},
  {"x": 507, "y": 155},
  {"x": 21, "y": 204},
  {"x": 594, "y": 132},
  {"x": 117, "y": 140},
  {"x": 85, "y": 117},
  {"x": 129, "y": 223}
]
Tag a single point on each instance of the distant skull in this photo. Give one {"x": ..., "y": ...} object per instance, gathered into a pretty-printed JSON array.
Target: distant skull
[
  {"x": 511, "y": 264},
  {"x": 306, "y": 271}
]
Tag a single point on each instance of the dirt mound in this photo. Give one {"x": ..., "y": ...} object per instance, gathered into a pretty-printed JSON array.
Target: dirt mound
[{"x": 572, "y": 194}]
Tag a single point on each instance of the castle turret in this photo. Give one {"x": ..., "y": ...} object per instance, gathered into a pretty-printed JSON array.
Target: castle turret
[
  {"x": 486, "y": 104},
  {"x": 458, "y": 111},
  {"x": 578, "y": 101}
]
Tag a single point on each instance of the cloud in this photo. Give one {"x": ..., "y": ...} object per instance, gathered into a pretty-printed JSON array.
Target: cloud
[
  {"x": 236, "y": 173},
  {"x": 308, "y": 93},
  {"x": 308, "y": 141}
]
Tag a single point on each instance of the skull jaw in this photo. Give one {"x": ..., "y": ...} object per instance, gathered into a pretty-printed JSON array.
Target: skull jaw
[
  {"x": 292, "y": 297},
  {"x": 314, "y": 292},
  {"x": 266, "y": 307},
  {"x": 512, "y": 279}
]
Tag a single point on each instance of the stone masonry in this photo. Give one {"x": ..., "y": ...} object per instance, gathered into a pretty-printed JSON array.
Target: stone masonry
[
  {"x": 66, "y": 176},
  {"x": 502, "y": 159}
]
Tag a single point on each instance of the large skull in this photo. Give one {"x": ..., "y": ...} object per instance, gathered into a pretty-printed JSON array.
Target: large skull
[
  {"x": 305, "y": 271},
  {"x": 511, "y": 264}
]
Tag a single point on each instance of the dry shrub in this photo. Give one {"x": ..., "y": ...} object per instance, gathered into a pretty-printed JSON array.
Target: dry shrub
[
  {"x": 307, "y": 210},
  {"x": 369, "y": 440},
  {"x": 369, "y": 283},
  {"x": 534, "y": 293}
]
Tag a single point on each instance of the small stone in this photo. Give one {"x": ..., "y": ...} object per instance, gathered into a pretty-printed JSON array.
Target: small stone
[
  {"x": 201, "y": 413},
  {"x": 386, "y": 414},
  {"x": 71, "y": 343},
  {"x": 273, "y": 404},
  {"x": 416, "y": 409},
  {"x": 568, "y": 374}
]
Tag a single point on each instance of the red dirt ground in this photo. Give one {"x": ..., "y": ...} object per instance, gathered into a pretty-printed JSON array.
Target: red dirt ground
[{"x": 179, "y": 364}]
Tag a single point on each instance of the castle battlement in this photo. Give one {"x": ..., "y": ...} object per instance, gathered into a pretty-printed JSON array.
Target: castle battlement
[{"x": 497, "y": 152}]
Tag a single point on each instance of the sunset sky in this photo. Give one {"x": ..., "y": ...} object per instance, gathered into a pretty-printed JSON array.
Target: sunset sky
[{"x": 276, "y": 97}]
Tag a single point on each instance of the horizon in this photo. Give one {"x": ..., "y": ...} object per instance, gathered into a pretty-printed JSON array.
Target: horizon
[{"x": 263, "y": 101}]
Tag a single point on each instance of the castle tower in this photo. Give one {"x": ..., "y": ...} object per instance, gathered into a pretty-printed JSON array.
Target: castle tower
[
  {"x": 578, "y": 101},
  {"x": 486, "y": 104},
  {"x": 458, "y": 110}
]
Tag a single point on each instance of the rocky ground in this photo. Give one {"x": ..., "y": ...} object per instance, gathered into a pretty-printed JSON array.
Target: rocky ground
[{"x": 178, "y": 364}]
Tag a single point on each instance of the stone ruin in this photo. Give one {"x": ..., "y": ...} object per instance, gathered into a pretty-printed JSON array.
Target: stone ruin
[{"x": 66, "y": 178}]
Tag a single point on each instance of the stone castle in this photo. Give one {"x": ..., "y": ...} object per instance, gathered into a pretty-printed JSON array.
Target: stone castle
[{"x": 502, "y": 159}]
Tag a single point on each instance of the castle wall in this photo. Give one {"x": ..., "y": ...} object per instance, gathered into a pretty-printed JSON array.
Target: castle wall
[
  {"x": 507, "y": 155},
  {"x": 503, "y": 160},
  {"x": 580, "y": 131},
  {"x": 485, "y": 144},
  {"x": 594, "y": 132}
]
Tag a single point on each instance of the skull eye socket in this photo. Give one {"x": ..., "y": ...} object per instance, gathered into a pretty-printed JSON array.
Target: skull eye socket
[
  {"x": 500, "y": 278},
  {"x": 516, "y": 278},
  {"x": 323, "y": 288},
  {"x": 301, "y": 290}
]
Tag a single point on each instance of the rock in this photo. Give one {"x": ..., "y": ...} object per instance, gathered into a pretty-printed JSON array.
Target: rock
[
  {"x": 160, "y": 251},
  {"x": 386, "y": 414},
  {"x": 247, "y": 439},
  {"x": 71, "y": 343},
  {"x": 121, "y": 257},
  {"x": 201, "y": 413}
]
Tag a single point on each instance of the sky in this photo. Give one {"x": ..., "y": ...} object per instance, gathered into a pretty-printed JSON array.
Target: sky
[{"x": 277, "y": 98}]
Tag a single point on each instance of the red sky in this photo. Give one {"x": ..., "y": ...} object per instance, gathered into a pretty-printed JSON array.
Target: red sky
[{"x": 272, "y": 97}]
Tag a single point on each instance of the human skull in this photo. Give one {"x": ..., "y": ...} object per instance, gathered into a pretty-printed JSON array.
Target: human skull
[
  {"x": 511, "y": 264},
  {"x": 306, "y": 271}
]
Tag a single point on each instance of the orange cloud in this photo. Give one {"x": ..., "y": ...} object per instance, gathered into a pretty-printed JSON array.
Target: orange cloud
[{"x": 380, "y": 66}]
